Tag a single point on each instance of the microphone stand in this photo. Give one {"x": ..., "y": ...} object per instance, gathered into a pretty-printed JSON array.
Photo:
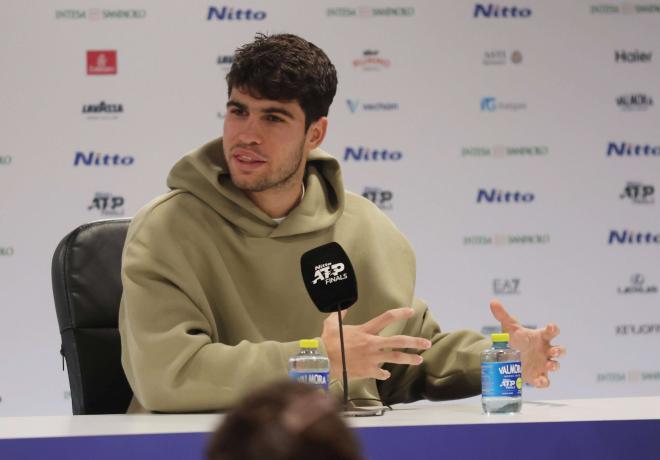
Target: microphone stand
[{"x": 343, "y": 358}]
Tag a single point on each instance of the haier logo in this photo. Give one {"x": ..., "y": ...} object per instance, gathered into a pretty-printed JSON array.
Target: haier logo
[
  {"x": 99, "y": 159},
  {"x": 623, "y": 149},
  {"x": 329, "y": 273},
  {"x": 498, "y": 11},
  {"x": 365, "y": 154},
  {"x": 638, "y": 193},
  {"x": 632, "y": 57},
  {"x": 234, "y": 14},
  {"x": 501, "y": 196},
  {"x": 630, "y": 237}
]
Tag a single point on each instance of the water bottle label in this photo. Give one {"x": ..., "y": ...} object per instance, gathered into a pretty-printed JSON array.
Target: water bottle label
[
  {"x": 501, "y": 379},
  {"x": 318, "y": 379}
]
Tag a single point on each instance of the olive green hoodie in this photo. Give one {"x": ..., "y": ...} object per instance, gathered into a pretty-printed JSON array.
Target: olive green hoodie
[{"x": 214, "y": 302}]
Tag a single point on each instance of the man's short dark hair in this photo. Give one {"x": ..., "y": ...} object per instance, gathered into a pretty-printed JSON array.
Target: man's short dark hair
[
  {"x": 284, "y": 421},
  {"x": 285, "y": 67}
]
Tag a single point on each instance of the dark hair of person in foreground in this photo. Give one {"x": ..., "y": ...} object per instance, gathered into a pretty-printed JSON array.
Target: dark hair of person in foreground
[{"x": 284, "y": 421}]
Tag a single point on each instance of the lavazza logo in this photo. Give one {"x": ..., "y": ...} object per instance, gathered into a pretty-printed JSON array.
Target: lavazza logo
[
  {"x": 638, "y": 193},
  {"x": 503, "y": 196},
  {"x": 507, "y": 239},
  {"x": 625, "y": 8},
  {"x": 229, "y": 13},
  {"x": 368, "y": 12},
  {"x": 506, "y": 286},
  {"x": 492, "y": 104},
  {"x": 102, "y": 159},
  {"x": 373, "y": 155},
  {"x": 103, "y": 111},
  {"x": 329, "y": 273},
  {"x": 107, "y": 204},
  {"x": 501, "y": 57},
  {"x": 630, "y": 237},
  {"x": 626, "y": 149},
  {"x": 491, "y": 10},
  {"x": 355, "y": 105},
  {"x": 370, "y": 61},
  {"x": 381, "y": 198},
  {"x": 634, "y": 102},
  {"x": 638, "y": 286},
  {"x": 100, "y": 14},
  {"x": 506, "y": 151},
  {"x": 632, "y": 376},
  {"x": 632, "y": 57}
]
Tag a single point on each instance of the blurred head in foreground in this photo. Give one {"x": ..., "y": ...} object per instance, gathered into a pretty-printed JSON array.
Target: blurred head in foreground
[{"x": 284, "y": 421}]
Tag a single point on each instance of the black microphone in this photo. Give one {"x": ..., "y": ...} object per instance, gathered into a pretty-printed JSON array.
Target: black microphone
[{"x": 330, "y": 281}]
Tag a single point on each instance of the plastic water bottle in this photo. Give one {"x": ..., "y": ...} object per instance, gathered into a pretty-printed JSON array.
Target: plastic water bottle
[
  {"x": 501, "y": 377},
  {"x": 309, "y": 366}
]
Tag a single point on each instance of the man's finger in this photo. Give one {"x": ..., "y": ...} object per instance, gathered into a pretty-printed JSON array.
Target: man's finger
[
  {"x": 382, "y": 374},
  {"x": 550, "y": 332},
  {"x": 552, "y": 365},
  {"x": 403, "y": 341},
  {"x": 399, "y": 357},
  {"x": 556, "y": 352},
  {"x": 500, "y": 314},
  {"x": 541, "y": 381},
  {"x": 377, "y": 324}
]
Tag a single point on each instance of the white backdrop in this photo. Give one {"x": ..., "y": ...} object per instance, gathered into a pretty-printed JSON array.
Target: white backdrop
[{"x": 445, "y": 99}]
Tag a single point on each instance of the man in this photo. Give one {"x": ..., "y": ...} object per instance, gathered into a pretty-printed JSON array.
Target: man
[{"x": 214, "y": 303}]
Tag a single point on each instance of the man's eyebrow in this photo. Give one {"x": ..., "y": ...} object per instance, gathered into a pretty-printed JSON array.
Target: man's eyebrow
[
  {"x": 279, "y": 110},
  {"x": 236, "y": 104}
]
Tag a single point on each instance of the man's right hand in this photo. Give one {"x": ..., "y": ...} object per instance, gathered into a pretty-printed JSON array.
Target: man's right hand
[{"x": 365, "y": 350}]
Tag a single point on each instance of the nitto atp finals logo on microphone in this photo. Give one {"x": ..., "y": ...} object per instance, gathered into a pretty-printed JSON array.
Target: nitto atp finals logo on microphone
[{"x": 329, "y": 273}]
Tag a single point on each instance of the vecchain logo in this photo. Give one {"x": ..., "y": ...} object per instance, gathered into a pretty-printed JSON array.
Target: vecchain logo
[
  {"x": 228, "y": 13},
  {"x": 491, "y": 10},
  {"x": 638, "y": 193},
  {"x": 491, "y": 104},
  {"x": 98, "y": 159},
  {"x": 329, "y": 273},
  {"x": 354, "y": 105},
  {"x": 625, "y": 149},
  {"x": 632, "y": 237},
  {"x": 501, "y": 196},
  {"x": 367, "y": 154}
]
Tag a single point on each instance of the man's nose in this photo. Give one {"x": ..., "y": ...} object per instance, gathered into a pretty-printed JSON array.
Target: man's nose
[{"x": 249, "y": 132}]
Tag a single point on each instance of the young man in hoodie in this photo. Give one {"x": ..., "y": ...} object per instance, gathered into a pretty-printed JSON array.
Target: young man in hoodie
[{"x": 214, "y": 303}]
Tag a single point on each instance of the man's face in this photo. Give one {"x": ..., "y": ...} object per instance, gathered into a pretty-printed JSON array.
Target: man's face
[{"x": 265, "y": 143}]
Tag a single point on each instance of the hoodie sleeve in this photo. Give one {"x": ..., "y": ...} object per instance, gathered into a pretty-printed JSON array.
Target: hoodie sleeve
[
  {"x": 172, "y": 347},
  {"x": 451, "y": 367}
]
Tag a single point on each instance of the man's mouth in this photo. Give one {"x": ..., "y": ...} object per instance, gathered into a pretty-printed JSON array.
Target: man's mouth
[{"x": 247, "y": 157}]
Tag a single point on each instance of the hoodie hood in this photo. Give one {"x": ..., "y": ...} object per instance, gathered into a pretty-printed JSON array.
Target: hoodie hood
[{"x": 204, "y": 173}]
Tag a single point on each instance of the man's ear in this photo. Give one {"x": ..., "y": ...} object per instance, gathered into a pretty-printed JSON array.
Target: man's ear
[{"x": 316, "y": 132}]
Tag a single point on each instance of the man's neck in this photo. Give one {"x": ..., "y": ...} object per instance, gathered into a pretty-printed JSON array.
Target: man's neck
[{"x": 277, "y": 203}]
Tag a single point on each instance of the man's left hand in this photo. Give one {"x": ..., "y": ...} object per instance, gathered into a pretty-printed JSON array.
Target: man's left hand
[{"x": 536, "y": 352}]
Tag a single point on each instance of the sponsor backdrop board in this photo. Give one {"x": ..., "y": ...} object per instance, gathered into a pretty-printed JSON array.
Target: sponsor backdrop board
[{"x": 515, "y": 144}]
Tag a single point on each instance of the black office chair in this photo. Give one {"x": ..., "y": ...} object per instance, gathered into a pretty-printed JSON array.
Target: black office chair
[{"x": 87, "y": 289}]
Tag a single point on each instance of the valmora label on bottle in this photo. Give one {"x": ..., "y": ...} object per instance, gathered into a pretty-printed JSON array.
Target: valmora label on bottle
[
  {"x": 501, "y": 379},
  {"x": 318, "y": 379}
]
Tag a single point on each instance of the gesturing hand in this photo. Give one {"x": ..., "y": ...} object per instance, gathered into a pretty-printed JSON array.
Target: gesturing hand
[
  {"x": 365, "y": 350},
  {"x": 536, "y": 352}
]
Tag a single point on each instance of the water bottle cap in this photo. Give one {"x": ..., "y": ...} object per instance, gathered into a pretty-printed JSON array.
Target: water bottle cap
[
  {"x": 500, "y": 337},
  {"x": 309, "y": 343}
]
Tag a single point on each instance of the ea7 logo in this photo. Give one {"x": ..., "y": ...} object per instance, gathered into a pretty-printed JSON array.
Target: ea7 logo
[{"x": 329, "y": 273}]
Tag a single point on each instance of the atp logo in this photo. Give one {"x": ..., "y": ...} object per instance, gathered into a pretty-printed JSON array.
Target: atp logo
[{"x": 329, "y": 273}]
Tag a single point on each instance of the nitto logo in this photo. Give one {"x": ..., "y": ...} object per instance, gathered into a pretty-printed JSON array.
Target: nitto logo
[
  {"x": 630, "y": 237},
  {"x": 107, "y": 204},
  {"x": 234, "y": 14},
  {"x": 329, "y": 273},
  {"x": 365, "y": 154},
  {"x": 500, "y": 196},
  {"x": 5, "y": 160},
  {"x": 498, "y": 11},
  {"x": 381, "y": 198},
  {"x": 632, "y": 57},
  {"x": 638, "y": 193},
  {"x": 624, "y": 149},
  {"x": 507, "y": 286},
  {"x": 98, "y": 159}
]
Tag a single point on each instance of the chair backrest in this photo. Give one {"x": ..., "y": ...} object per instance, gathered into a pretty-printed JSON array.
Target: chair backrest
[{"x": 87, "y": 288}]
